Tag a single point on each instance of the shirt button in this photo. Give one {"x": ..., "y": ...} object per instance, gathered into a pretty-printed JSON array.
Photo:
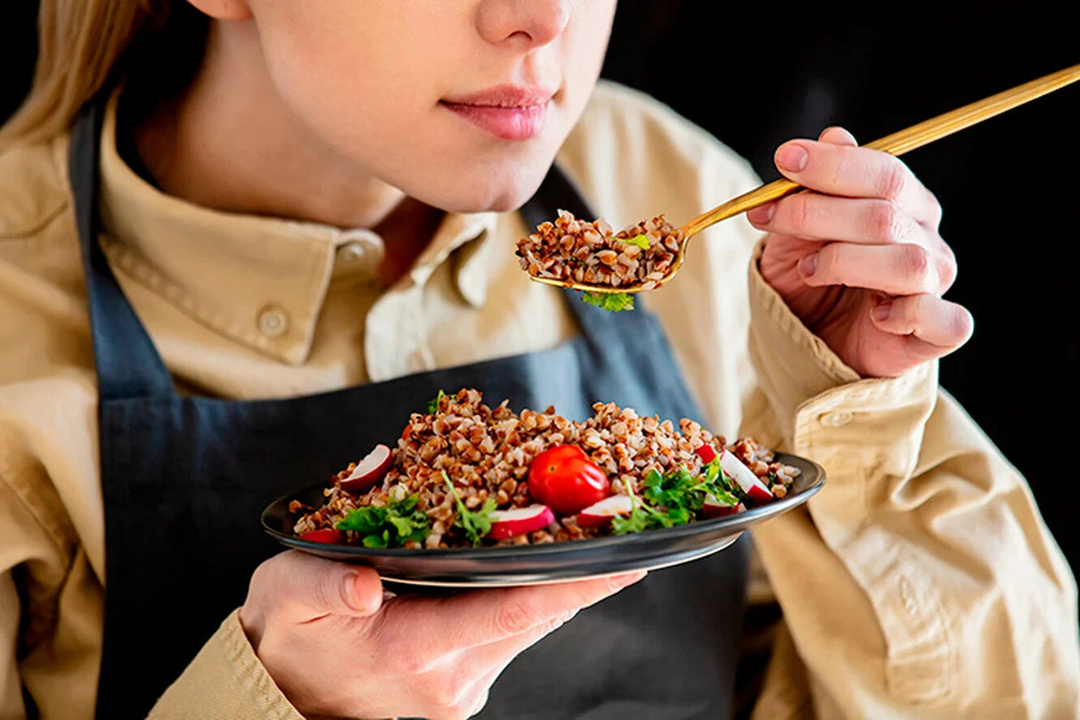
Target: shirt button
[
  {"x": 350, "y": 254},
  {"x": 273, "y": 322},
  {"x": 836, "y": 419}
]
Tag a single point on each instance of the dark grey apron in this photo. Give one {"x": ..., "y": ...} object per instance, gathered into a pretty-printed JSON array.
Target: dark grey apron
[{"x": 185, "y": 478}]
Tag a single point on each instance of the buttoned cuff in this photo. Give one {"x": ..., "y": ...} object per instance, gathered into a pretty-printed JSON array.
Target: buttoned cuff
[{"x": 817, "y": 400}]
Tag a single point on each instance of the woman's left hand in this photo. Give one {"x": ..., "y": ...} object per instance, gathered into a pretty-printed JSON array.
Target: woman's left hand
[{"x": 859, "y": 260}]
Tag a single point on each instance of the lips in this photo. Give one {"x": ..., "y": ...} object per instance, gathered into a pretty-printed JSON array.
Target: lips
[{"x": 510, "y": 112}]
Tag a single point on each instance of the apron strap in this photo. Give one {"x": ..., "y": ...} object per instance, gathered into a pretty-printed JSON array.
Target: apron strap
[{"x": 128, "y": 363}]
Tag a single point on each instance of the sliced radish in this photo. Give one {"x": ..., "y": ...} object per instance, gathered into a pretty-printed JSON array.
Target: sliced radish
[
  {"x": 748, "y": 481},
  {"x": 371, "y": 470},
  {"x": 707, "y": 453},
  {"x": 714, "y": 507},
  {"x": 328, "y": 536},
  {"x": 518, "y": 521},
  {"x": 602, "y": 512}
]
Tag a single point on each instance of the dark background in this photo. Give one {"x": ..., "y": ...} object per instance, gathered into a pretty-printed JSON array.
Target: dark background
[{"x": 786, "y": 69}]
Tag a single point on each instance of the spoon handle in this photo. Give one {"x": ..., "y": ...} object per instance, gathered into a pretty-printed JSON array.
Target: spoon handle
[{"x": 900, "y": 142}]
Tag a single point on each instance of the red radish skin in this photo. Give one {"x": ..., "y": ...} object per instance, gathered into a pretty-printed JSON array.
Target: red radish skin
[
  {"x": 707, "y": 453},
  {"x": 748, "y": 481},
  {"x": 601, "y": 513},
  {"x": 370, "y": 471},
  {"x": 327, "y": 536},
  {"x": 714, "y": 508},
  {"x": 519, "y": 521}
]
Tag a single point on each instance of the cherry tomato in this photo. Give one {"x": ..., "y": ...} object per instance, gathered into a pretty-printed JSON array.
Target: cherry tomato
[
  {"x": 328, "y": 536},
  {"x": 566, "y": 480}
]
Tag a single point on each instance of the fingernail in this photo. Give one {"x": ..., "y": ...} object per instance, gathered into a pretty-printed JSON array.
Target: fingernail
[
  {"x": 792, "y": 158},
  {"x": 620, "y": 581},
  {"x": 808, "y": 265},
  {"x": 881, "y": 312},
  {"x": 762, "y": 215}
]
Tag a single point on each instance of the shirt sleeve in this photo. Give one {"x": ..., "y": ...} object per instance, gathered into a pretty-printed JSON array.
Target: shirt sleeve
[
  {"x": 921, "y": 581},
  {"x": 225, "y": 679},
  {"x": 40, "y": 651}
]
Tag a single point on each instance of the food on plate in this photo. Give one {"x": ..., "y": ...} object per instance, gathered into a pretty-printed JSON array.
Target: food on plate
[
  {"x": 465, "y": 474},
  {"x": 575, "y": 250}
]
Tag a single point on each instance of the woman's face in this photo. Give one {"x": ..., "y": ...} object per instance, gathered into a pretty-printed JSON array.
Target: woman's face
[{"x": 461, "y": 104}]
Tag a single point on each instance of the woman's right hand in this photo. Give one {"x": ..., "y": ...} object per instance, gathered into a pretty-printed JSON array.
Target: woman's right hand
[{"x": 336, "y": 649}]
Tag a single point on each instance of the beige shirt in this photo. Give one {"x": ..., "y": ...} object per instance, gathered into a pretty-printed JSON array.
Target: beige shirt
[{"x": 920, "y": 583}]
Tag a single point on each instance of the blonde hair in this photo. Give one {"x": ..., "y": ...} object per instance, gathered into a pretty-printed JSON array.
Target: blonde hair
[{"x": 82, "y": 46}]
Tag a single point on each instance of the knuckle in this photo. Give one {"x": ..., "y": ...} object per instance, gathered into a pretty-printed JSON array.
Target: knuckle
[
  {"x": 799, "y": 211},
  {"x": 886, "y": 222},
  {"x": 326, "y": 594},
  {"x": 261, "y": 577},
  {"x": 840, "y": 168},
  {"x": 557, "y": 622},
  {"x": 894, "y": 180},
  {"x": 936, "y": 211},
  {"x": 915, "y": 261},
  {"x": 513, "y": 618},
  {"x": 408, "y": 660},
  {"x": 831, "y": 260},
  {"x": 448, "y": 692},
  {"x": 948, "y": 270}
]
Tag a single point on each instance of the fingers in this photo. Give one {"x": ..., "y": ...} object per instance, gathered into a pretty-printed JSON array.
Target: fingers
[
  {"x": 811, "y": 216},
  {"x": 854, "y": 172},
  {"x": 837, "y": 136},
  {"x": 302, "y": 587},
  {"x": 449, "y": 685},
  {"x": 458, "y": 647},
  {"x": 448, "y": 625},
  {"x": 904, "y": 269},
  {"x": 499, "y": 654},
  {"x": 933, "y": 327}
]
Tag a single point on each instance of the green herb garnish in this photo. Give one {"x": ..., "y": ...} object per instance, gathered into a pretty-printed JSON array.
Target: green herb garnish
[
  {"x": 476, "y": 524},
  {"x": 614, "y": 302},
  {"x": 433, "y": 405},
  {"x": 390, "y": 525},
  {"x": 674, "y": 499},
  {"x": 640, "y": 240},
  {"x": 640, "y": 518}
]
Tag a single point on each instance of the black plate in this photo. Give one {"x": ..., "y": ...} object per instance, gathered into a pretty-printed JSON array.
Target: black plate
[{"x": 556, "y": 562}]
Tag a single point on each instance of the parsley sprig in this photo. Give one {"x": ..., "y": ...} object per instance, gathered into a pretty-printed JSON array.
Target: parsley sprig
[
  {"x": 675, "y": 498},
  {"x": 476, "y": 524},
  {"x": 433, "y": 405},
  {"x": 390, "y": 525},
  {"x": 614, "y": 302},
  {"x": 640, "y": 240}
]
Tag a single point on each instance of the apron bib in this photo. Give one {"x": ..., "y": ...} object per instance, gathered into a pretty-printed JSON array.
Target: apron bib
[{"x": 185, "y": 478}]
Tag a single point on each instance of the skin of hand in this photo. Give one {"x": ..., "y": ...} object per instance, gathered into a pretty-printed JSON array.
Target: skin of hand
[
  {"x": 858, "y": 257},
  {"x": 337, "y": 648}
]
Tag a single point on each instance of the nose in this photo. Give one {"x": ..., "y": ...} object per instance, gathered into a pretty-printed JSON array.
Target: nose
[{"x": 523, "y": 24}]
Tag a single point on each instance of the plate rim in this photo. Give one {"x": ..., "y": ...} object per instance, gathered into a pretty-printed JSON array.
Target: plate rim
[{"x": 736, "y": 523}]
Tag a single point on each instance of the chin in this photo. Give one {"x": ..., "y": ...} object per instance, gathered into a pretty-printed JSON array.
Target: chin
[{"x": 485, "y": 191}]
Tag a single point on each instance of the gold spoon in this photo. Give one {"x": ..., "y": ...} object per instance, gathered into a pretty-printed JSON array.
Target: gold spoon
[{"x": 896, "y": 144}]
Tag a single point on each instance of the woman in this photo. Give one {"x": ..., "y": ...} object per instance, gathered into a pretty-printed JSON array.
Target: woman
[{"x": 241, "y": 239}]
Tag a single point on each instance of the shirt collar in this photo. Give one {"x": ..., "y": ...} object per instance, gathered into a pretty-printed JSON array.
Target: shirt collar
[{"x": 260, "y": 281}]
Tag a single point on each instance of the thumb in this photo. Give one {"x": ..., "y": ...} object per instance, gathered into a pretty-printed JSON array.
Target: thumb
[{"x": 311, "y": 587}]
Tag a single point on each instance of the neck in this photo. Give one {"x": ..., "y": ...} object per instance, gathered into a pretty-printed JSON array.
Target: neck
[{"x": 229, "y": 143}]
